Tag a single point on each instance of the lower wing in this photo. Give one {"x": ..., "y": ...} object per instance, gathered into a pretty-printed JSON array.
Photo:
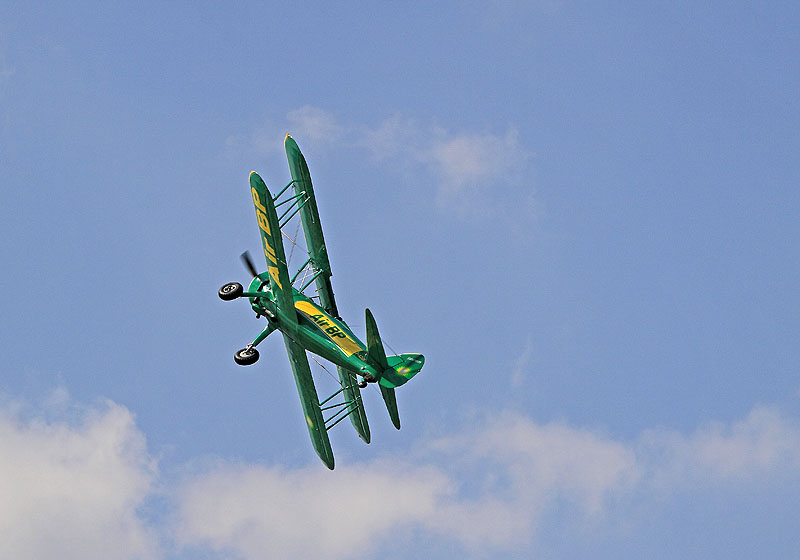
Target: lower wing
[{"x": 309, "y": 400}]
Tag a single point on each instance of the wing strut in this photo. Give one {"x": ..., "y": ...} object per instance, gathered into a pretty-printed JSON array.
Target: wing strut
[{"x": 345, "y": 409}]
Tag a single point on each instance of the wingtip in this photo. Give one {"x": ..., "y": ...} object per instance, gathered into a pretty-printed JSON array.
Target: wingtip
[{"x": 325, "y": 454}]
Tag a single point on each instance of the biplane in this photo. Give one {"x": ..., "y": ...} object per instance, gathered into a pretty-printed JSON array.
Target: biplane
[{"x": 312, "y": 323}]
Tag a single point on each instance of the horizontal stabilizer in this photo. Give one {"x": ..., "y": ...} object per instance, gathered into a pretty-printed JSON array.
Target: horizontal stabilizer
[{"x": 401, "y": 368}]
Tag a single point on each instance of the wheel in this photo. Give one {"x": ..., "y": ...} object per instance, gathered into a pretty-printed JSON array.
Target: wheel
[
  {"x": 231, "y": 290},
  {"x": 246, "y": 356},
  {"x": 362, "y": 384}
]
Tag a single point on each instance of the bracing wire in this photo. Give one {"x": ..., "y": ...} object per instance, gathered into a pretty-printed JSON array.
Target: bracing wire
[
  {"x": 323, "y": 367},
  {"x": 306, "y": 274},
  {"x": 320, "y": 364},
  {"x": 385, "y": 343},
  {"x": 294, "y": 243}
]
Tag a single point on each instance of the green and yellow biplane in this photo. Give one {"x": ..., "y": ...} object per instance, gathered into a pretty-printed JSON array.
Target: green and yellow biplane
[{"x": 312, "y": 325}]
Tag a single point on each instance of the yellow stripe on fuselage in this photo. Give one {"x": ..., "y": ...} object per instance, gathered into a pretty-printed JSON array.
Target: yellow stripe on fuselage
[{"x": 327, "y": 325}]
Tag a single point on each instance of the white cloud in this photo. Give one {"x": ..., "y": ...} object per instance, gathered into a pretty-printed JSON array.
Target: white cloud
[
  {"x": 521, "y": 468},
  {"x": 485, "y": 488},
  {"x": 395, "y": 138},
  {"x": 314, "y": 125},
  {"x": 74, "y": 480},
  {"x": 252, "y": 510},
  {"x": 71, "y": 490},
  {"x": 762, "y": 442},
  {"x": 469, "y": 171},
  {"x": 476, "y": 162},
  {"x": 527, "y": 468},
  {"x": 316, "y": 130},
  {"x": 467, "y": 167}
]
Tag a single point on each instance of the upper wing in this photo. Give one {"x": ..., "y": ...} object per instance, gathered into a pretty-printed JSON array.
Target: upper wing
[
  {"x": 280, "y": 283},
  {"x": 308, "y": 398},
  {"x": 318, "y": 253},
  {"x": 309, "y": 215}
]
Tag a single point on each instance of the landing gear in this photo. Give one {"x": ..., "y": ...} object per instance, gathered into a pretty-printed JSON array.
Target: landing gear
[
  {"x": 362, "y": 384},
  {"x": 230, "y": 291},
  {"x": 246, "y": 356},
  {"x": 369, "y": 378}
]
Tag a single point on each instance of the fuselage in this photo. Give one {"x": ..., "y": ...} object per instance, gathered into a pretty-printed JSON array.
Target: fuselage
[{"x": 314, "y": 328}]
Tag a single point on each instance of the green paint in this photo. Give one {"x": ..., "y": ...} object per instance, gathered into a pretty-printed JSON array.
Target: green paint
[{"x": 317, "y": 328}]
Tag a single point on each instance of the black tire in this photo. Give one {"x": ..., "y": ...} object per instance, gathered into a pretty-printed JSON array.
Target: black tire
[
  {"x": 246, "y": 356},
  {"x": 230, "y": 291},
  {"x": 362, "y": 384}
]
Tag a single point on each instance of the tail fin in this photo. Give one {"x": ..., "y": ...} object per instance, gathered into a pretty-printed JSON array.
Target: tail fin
[
  {"x": 395, "y": 370},
  {"x": 375, "y": 353}
]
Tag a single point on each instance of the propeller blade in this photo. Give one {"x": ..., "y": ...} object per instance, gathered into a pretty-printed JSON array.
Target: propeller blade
[{"x": 248, "y": 263}]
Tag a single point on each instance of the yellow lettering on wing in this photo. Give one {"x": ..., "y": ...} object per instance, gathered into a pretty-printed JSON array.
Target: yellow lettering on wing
[
  {"x": 263, "y": 223},
  {"x": 273, "y": 272},
  {"x": 270, "y": 253},
  {"x": 266, "y": 236},
  {"x": 257, "y": 200}
]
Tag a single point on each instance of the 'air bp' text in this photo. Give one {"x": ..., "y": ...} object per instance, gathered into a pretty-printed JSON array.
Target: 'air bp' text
[
  {"x": 327, "y": 325},
  {"x": 266, "y": 237},
  {"x": 333, "y": 331}
]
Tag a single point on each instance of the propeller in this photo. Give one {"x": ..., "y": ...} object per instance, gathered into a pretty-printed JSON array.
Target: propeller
[{"x": 248, "y": 263}]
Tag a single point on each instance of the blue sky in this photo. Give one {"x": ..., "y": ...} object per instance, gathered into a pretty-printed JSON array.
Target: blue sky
[{"x": 584, "y": 216}]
